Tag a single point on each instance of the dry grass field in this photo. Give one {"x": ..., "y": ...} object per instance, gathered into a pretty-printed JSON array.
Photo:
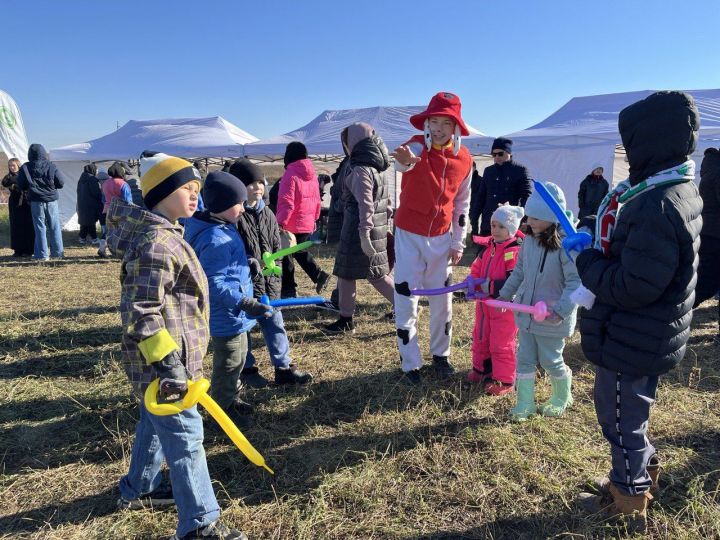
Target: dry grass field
[{"x": 356, "y": 455}]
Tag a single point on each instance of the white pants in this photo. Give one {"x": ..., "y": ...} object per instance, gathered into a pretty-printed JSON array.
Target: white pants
[{"x": 421, "y": 262}]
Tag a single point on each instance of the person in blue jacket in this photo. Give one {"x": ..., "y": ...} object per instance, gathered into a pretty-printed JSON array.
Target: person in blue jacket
[{"x": 213, "y": 235}]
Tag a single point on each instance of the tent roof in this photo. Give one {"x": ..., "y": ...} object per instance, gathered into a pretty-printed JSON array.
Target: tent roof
[
  {"x": 188, "y": 137},
  {"x": 597, "y": 116},
  {"x": 322, "y": 134}
]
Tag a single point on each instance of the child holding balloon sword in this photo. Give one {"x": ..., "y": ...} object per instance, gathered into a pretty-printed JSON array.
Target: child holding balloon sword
[{"x": 544, "y": 272}]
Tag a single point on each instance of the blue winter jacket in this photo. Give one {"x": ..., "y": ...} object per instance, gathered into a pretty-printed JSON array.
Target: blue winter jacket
[{"x": 221, "y": 252}]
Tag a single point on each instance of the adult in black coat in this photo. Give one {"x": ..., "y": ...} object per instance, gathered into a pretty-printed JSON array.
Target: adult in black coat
[
  {"x": 502, "y": 182},
  {"x": 89, "y": 203},
  {"x": 592, "y": 191},
  {"x": 22, "y": 233},
  {"x": 708, "y": 283},
  {"x": 644, "y": 285},
  {"x": 475, "y": 192}
]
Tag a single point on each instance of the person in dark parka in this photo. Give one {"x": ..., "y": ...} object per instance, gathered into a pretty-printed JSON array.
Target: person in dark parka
[
  {"x": 22, "y": 232},
  {"x": 362, "y": 250},
  {"x": 708, "y": 283},
  {"x": 592, "y": 191},
  {"x": 505, "y": 181},
  {"x": 476, "y": 192},
  {"x": 260, "y": 233},
  {"x": 642, "y": 273},
  {"x": 89, "y": 204}
]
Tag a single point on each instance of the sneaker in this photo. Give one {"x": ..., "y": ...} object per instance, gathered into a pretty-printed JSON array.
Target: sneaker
[
  {"x": 329, "y": 305},
  {"x": 95, "y": 242},
  {"x": 242, "y": 407},
  {"x": 498, "y": 388},
  {"x": 475, "y": 376},
  {"x": 413, "y": 377},
  {"x": 322, "y": 282},
  {"x": 251, "y": 377},
  {"x": 443, "y": 367},
  {"x": 344, "y": 325},
  {"x": 82, "y": 241},
  {"x": 161, "y": 497},
  {"x": 214, "y": 531},
  {"x": 292, "y": 375}
]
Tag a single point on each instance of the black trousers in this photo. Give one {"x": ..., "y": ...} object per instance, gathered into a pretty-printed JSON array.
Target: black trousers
[
  {"x": 708, "y": 274},
  {"x": 306, "y": 262},
  {"x": 88, "y": 230}
]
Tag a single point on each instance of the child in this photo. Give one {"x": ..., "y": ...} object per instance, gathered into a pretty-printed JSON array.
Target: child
[
  {"x": 493, "y": 347},
  {"x": 213, "y": 235},
  {"x": 113, "y": 186},
  {"x": 430, "y": 229},
  {"x": 643, "y": 273},
  {"x": 260, "y": 232},
  {"x": 543, "y": 272},
  {"x": 164, "y": 304}
]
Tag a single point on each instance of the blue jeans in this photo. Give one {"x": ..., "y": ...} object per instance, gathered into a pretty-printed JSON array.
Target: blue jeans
[
  {"x": 622, "y": 405},
  {"x": 273, "y": 330},
  {"x": 46, "y": 216},
  {"x": 178, "y": 439},
  {"x": 543, "y": 350}
]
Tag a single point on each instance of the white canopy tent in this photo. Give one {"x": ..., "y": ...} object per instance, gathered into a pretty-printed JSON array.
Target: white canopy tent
[
  {"x": 564, "y": 147},
  {"x": 187, "y": 137},
  {"x": 13, "y": 140}
]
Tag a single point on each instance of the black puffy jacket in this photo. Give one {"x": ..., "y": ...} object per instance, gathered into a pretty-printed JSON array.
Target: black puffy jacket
[
  {"x": 509, "y": 182},
  {"x": 260, "y": 232},
  {"x": 645, "y": 286}
]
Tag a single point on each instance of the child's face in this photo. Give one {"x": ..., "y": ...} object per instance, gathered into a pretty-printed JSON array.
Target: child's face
[
  {"x": 499, "y": 231},
  {"x": 180, "y": 203},
  {"x": 538, "y": 225},
  {"x": 441, "y": 129},
  {"x": 232, "y": 214},
  {"x": 13, "y": 167},
  {"x": 255, "y": 192}
]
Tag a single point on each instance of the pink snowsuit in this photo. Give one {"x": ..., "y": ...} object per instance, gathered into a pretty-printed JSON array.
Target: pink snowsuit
[{"x": 495, "y": 330}]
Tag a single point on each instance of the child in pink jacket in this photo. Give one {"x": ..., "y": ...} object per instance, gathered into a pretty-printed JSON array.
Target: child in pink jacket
[
  {"x": 298, "y": 209},
  {"x": 493, "y": 346}
]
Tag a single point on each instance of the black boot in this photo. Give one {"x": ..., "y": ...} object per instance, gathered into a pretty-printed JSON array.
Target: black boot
[
  {"x": 251, "y": 377},
  {"x": 322, "y": 282},
  {"x": 342, "y": 326},
  {"x": 443, "y": 367},
  {"x": 292, "y": 375}
]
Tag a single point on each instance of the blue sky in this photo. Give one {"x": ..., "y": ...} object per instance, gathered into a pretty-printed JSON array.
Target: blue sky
[{"x": 77, "y": 67}]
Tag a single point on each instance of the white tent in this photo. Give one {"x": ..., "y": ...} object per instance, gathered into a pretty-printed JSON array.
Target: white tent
[
  {"x": 322, "y": 135},
  {"x": 564, "y": 147},
  {"x": 13, "y": 141},
  {"x": 186, "y": 137}
]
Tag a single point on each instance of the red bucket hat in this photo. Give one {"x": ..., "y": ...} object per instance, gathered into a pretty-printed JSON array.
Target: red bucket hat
[{"x": 441, "y": 104}]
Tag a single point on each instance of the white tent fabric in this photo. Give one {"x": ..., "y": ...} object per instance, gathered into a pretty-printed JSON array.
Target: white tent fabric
[
  {"x": 564, "y": 147},
  {"x": 322, "y": 135},
  {"x": 13, "y": 140},
  {"x": 186, "y": 137}
]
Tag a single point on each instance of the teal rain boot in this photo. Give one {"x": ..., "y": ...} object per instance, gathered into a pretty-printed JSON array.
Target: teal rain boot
[
  {"x": 561, "y": 397},
  {"x": 525, "y": 400}
]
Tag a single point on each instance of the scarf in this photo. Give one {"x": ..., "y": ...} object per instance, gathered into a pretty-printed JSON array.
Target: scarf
[{"x": 612, "y": 204}]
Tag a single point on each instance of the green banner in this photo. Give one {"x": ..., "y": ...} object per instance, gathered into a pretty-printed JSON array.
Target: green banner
[{"x": 7, "y": 117}]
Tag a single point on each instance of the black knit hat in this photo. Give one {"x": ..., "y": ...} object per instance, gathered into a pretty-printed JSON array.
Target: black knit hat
[
  {"x": 116, "y": 170},
  {"x": 222, "y": 190},
  {"x": 501, "y": 143},
  {"x": 246, "y": 171},
  {"x": 295, "y": 151}
]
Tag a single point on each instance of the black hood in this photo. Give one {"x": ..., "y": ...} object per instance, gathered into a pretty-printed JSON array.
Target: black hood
[
  {"x": 370, "y": 151},
  {"x": 658, "y": 132},
  {"x": 37, "y": 152},
  {"x": 710, "y": 168}
]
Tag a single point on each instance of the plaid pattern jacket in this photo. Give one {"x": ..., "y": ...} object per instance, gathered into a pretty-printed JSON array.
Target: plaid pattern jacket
[{"x": 164, "y": 299}]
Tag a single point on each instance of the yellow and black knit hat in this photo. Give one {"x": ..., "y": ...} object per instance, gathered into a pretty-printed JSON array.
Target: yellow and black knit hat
[{"x": 162, "y": 174}]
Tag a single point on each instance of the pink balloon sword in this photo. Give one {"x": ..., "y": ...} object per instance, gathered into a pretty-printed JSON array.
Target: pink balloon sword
[{"x": 539, "y": 311}]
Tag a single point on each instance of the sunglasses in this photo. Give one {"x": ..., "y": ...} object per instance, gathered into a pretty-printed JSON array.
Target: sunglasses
[{"x": 497, "y": 154}]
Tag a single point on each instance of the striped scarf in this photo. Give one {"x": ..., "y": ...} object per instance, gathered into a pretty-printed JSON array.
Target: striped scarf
[{"x": 612, "y": 204}]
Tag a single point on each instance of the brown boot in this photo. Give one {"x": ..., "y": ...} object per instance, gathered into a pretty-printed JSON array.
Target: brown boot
[
  {"x": 631, "y": 508},
  {"x": 601, "y": 485}
]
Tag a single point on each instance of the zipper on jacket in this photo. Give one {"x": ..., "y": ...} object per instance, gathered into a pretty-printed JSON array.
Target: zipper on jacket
[{"x": 542, "y": 264}]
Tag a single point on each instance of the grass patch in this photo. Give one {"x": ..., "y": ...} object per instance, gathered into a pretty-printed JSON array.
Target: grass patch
[{"x": 357, "y": 454}]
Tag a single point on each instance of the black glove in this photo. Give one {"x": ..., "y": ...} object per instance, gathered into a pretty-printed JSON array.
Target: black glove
[
  {"x": 173, "y": 377},
  {"x": 255, "y": 267},
  {"x": 255, "y": 309}
]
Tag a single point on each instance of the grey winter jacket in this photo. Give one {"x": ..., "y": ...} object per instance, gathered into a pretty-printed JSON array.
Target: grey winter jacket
[{"x": 550, "y": 276}]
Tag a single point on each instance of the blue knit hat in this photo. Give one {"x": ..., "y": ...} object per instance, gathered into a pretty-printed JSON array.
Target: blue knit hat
[
  {"x": 222, "y": 190},
  {"x": 537, "y": 208}
]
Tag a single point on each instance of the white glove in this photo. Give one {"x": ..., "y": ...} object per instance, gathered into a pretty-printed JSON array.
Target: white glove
[
  {"x": 583, "y": 297},
  {"x": 366, "y": 244}
]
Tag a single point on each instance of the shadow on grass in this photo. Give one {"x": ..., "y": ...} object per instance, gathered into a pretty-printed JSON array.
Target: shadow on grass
[
  {"x": 76, "y": 365},
  {"x": 11, "y": 262},
  {"x": 61, "y": 339},
  {"x": 68, "y": 313}
]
